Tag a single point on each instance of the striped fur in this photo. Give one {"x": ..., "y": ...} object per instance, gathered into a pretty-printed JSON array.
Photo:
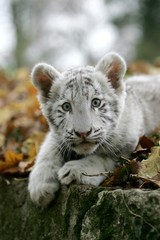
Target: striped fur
[{"x": 94, "y": 117}]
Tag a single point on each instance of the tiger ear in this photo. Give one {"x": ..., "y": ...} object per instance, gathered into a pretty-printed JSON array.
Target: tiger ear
[
  {"x": 42, "y": 77},
  {"x": 113, "y": 66}
]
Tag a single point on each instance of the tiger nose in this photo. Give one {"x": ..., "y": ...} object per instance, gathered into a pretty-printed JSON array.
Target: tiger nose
[{"x": 83, "y": 134}]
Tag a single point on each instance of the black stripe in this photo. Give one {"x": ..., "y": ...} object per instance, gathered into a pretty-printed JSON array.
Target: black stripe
[
  {"x": 60, "y": 123},
  {"x": 102, "y": 107},
  {"x": 59, "y": 111},
  {"x": 96, "y": 130},
  {"x": 107, "y": 118},
  {"x": 53, "y": 121}
]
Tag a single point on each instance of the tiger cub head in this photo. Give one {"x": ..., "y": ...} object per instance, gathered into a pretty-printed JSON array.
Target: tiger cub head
[{"x": 82, "y": 105}]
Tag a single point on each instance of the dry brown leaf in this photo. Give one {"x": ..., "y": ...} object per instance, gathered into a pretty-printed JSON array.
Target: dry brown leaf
[
  {"x": 116, "y": 178},
  {"x": 150, "y": 168},
  {"x": 146, "y": 143},
  {"x": 22, "y": 126},
  {"x": 25, "y": 166},
  {"x": 134, "y": 166},
  {"x": 10, "y": 159}
]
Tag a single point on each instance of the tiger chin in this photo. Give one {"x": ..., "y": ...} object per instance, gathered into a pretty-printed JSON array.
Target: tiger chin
[{"x": 95, "y": 116}]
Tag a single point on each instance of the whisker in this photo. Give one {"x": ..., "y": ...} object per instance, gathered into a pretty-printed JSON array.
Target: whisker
[{"x": 107, "y": 144}]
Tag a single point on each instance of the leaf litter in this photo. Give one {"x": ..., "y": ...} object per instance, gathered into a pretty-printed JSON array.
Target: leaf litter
[
  {"x": 23, "y": 129},
  {"x": 22, "y": 126}
]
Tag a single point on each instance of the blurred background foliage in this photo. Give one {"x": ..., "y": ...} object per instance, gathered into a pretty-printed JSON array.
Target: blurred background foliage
[
  {"x": 69, "y": 33},
  {"x": 64, "y": 33}
]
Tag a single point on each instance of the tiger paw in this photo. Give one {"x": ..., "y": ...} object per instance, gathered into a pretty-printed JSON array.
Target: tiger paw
[{"x": 74, "y": 171}]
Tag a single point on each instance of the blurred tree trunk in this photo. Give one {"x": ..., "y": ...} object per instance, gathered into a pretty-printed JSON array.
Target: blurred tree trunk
[
  {"x": 144, "y": 16},
  {"x": 18, "y": 8},
  {"x": 149, "y": 44}
]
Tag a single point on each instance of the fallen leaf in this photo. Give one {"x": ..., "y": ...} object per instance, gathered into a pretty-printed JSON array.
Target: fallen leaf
[
  {"x": 25, "y": 165},
  {"x": 10, "y": 159},
  {"x": 134, "y": 166},
  {"x": 150, "y": 168},
  {"x": 146, "y": 143},
  {"x": 119, "y": 175}
]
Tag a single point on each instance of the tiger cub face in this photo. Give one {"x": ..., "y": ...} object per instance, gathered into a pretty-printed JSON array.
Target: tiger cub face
[{"x": 82, "y": 105}]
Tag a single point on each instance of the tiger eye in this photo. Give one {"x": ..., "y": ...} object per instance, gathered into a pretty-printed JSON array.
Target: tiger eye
[
  {"x": 66, "y": 106},
  {"x": 96, "y": 102}
]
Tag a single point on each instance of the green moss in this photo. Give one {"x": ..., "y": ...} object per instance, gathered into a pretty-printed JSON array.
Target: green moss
[
  {"x": 119, "y": 221},
  {"x": 80, "y": 212},
  {"x": 86, "y": 202},
  {"x": 79, "y": 201}
]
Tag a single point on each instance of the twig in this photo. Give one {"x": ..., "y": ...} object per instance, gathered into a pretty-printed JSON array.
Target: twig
[
  {"x": 137, "y": 215},
  {"x": 106, "y": 174},
  {"x": 21, "y": 179},
  {"x": 126, "y": 159}
]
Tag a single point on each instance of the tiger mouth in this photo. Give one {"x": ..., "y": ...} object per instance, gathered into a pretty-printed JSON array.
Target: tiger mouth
[
  {"x": 85, "y": 147},
  {"x": 84, "y": 143}
]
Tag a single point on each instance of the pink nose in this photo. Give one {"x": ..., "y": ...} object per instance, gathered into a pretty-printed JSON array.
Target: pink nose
[{"x": 83, "y": 134}]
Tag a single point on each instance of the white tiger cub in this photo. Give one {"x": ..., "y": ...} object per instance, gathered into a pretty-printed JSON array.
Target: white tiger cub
[{"x": 94, "y": 118}]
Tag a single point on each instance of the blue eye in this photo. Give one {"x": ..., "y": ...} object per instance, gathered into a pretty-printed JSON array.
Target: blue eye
[
  {"x": 96, "y": 102},
  {"x": 66, "y": 106}
]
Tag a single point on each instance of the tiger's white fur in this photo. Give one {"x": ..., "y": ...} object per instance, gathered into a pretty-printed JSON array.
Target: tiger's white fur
[{"x": 94, "y": 117}]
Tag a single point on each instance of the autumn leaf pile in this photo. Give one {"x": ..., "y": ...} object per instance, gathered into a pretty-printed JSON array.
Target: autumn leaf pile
[{"x": 23, "y": 128}]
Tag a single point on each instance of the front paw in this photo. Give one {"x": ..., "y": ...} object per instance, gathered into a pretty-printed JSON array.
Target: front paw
[
  {"x": 42, "y": 193},
  {"x": 74, "y": 171},
  {"x": 69, "y": 173}
]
